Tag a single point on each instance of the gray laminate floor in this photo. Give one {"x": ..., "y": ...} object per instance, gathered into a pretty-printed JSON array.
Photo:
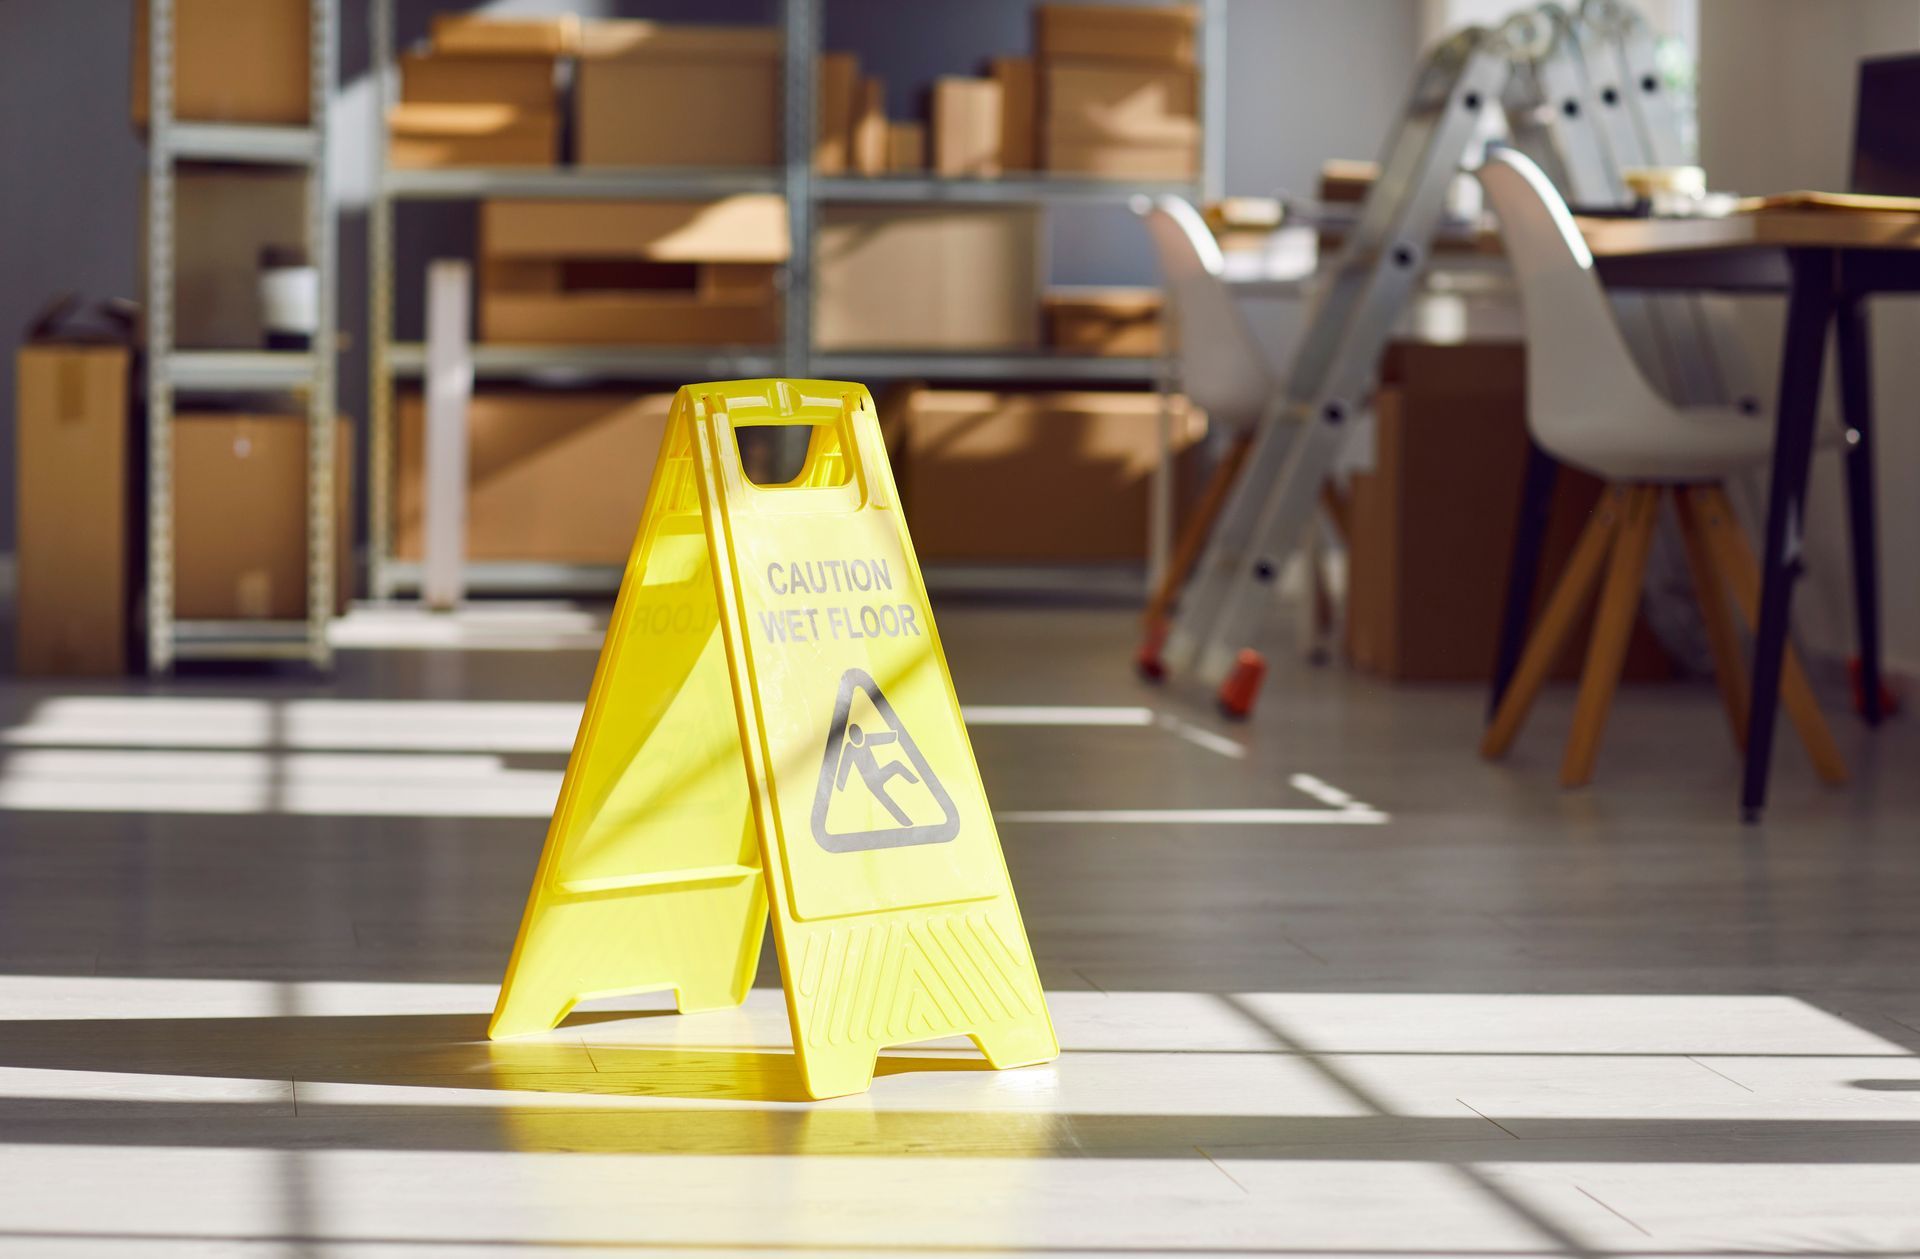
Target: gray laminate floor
[{"x": 1326, "y": 984}]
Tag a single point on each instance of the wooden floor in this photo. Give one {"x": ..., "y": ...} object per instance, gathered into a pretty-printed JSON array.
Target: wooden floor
[{"x": 1327, "y": 984}]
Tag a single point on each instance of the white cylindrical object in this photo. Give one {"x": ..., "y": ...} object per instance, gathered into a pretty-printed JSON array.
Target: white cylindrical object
[{"x": 449, "y": 389}]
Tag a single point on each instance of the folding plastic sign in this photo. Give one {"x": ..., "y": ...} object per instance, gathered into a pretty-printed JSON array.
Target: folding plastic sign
[{"x": 772, "y": 728}]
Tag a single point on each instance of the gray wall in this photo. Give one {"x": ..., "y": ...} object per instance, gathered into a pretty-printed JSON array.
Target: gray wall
[{"x": 1307, "y": 80}]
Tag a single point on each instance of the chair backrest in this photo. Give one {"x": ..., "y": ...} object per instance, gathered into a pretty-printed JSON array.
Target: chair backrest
[
  {"x": 1222, "y": 368},
  {"x": 1581, "y": 376}
]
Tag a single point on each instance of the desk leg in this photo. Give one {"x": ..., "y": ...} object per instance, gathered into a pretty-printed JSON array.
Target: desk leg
[
  {"x": 1810, "y": 306},
  {"x": 1856, "y": 405},
  {"x": 1536, "y": 508}
]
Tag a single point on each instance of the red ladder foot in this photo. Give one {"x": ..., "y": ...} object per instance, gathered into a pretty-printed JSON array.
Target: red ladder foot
[
  {"x": 1242, "y": 686},
  {"x": 1889, "y": 698},
  {"x": 1147, "y": 660}
]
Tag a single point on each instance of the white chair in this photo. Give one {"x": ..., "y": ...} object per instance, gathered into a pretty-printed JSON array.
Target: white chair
[
  {"x": 1224, "y": 372},
  {"x": 1589, "y": 406}
]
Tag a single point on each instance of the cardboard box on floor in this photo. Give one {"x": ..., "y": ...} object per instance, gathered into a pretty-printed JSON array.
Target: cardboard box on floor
[
  {"x": 1079, "y": 463},
  {"x": 1433, "y": 522},
  {"x": 653, "y": 94},
  {"x": 1163, "y": 34},
  {"x": 239, "y": 61},
  {"x": 240, "y": 516},
  {"x": 75, "y": 528},
  {"x": 554, "y": 477},
  {"x": 927, "y": 277}
]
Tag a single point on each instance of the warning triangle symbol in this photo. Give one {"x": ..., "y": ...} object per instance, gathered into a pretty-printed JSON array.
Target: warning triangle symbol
[{"x": 874, "y": 770}]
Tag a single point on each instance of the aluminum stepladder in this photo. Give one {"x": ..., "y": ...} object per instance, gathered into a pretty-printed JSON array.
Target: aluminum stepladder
[
  {"x": 1559, "y": 78},
  {"x": 1333, "y": 371}
]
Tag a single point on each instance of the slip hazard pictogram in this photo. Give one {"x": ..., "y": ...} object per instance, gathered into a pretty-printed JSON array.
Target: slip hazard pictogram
[{"x": 876, "y": 789}]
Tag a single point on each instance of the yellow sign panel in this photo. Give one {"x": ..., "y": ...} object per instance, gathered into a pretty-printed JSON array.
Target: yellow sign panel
[{"x": 772, "y": 727}]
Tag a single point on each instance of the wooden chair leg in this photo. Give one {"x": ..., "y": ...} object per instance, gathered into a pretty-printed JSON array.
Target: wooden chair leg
[
  {"x": 1723, "y": 639},
  {"x": 1612, "y": 628},
  {"x": 1734, "y": 558},
  {"x": 1562, "y": 612},
  {"x": 1193, "y": 537}
]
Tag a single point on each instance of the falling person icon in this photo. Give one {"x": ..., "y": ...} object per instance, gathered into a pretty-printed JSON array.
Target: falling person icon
[{"x": 856, "y": 752}]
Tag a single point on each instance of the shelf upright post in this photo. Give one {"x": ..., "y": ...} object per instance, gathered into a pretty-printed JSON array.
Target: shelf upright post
[
  {"x": 159, "y": 320},
  {"x": 1213, "y": 99},
  {"x": 322, "y": 247},
  {"x": 380, "y": 437},
  {"x": 801, "y": 46}
]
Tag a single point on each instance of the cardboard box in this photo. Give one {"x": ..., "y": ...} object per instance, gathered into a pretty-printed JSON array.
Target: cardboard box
[
  {"x": 839, "y": 86},
  {"x": 1089, "y": 101},
  {"x": 75, "y": 526},
  {"x": 750, "y": 227},
  {"x": 927, "y": 277},
  {"x": 440, "y": 79},
  {"x": 870, "y": 129},
  {"x": 1433, "y": 522},
  {"x": 1122, "y": 160},
  {"x": 906, "y": 146},
  {"x": 650, "y": 94},
  {"x": 632, "y": 273},
  {"x": 1019, "y": 112},
  {"x": 1079, "y": 462},
  {"x": 240, "y": 516},
  {"x": 538, "y": 486},
  {"x": 966, "y": 127},
  {"x": 240, "y": 61},
  {"x": 474, "y": 34},
  {"x": 224, "y": 217},
  {"x": 432, "y": 135},
  {"x": 1117, "y": 120},
  {"x": 1117, "y": 321},
  {"x": 1167, "y": 34}
]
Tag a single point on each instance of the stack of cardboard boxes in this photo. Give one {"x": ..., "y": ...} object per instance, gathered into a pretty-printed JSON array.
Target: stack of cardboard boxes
[{"x": 483, "y": 94}]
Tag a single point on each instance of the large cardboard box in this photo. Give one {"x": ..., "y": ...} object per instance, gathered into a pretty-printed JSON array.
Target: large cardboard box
[
  {"x": 1119, "y": 120},
  {"x": 1433, "y": 521},
  {"x": 1078, "y": 463},
  {"x": 632, "y": 273},
  {"x": 240, "y": 516},
  {"x": 554, "y": 477},
  {"x": 750, "y": 227},
  {"x": 1166, "y": 34},
  {"x": 927, "y": 277},
  {"x": 423, "y": 135},
  {"x": 75, "y": 529},
  {"x": 1019, "y": 112},
  {"x": 441, "y": 79},
  {"x": 1117, "y": 321},
  {"x": 651, "y": 94},
  {"x": 966, "y": 127},
  {"x": 240, "y": 61},
  {"x": 480, "y": 34},
  {"x": 839, "y": 86},
  {"x": 224, "y": 218}
]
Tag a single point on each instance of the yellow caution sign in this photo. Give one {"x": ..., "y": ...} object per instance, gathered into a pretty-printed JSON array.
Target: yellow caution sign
[{"x": 772, "y": 726}]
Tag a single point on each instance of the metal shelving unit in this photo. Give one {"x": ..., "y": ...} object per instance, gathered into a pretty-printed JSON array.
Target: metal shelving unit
[
  {"x": 172, "y": 371},
  {"x": 805, "y": 192}
]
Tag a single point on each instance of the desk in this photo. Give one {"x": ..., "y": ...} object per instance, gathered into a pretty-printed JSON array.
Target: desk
[{"x": 1828, "y": 261}]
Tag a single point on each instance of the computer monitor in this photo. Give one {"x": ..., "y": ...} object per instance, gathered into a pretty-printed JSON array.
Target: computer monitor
[{"x": 1886, "y": 127}]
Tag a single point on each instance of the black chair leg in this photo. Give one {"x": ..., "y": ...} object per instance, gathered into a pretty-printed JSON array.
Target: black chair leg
[{"x": 1523, "y": 568}]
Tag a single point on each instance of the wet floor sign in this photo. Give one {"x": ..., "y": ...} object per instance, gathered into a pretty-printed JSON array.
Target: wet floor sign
[{"x": 772, "y": 729}]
